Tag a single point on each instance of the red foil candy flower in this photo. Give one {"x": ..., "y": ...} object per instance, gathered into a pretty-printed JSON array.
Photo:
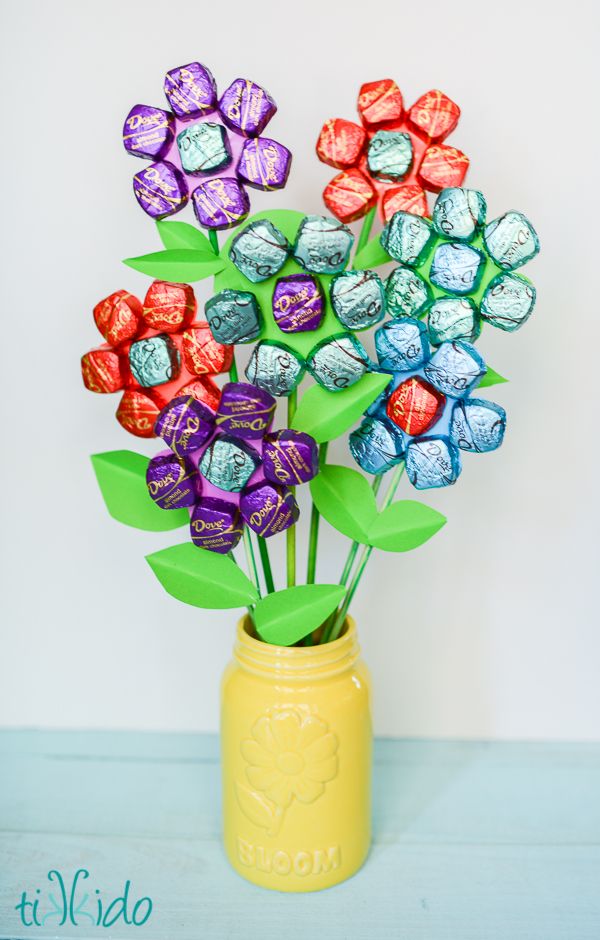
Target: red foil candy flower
[
  {"x": 395, "y": 158},
  {"x": 154, "y": 351}
]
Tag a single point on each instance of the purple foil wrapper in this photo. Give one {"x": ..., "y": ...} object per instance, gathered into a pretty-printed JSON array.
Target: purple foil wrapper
[
  {"x": 264, "y": 164},
  {"x": 268, "y": 509},
  {"x": 216, "y": 525},
  {"x": 172, "y": 481},
  {"x": 220, "y": 203},
  {"x": 246, "y": 107},
  {"x": 160, "y": 189},
  {"x": 245, "y": 411},
  {"x": 148, "y": 132},
  {"x": 185, "y": 425},
  {"x": 290, "y": 457},
  {"x": 191, "y": 90},
  {"x": 298, "y": 304}
]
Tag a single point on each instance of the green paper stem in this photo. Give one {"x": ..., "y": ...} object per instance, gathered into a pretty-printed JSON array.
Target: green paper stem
[
  {"x": 341, "y": 615},
  {"x": 266, "y": 563},
  {"x": 251, "y": 559},
  {"x": 366, "y": 229},
  {"x": 214, "y": 240},
  {"x": 313, "y": 537},
  {"x": 250, "y": 607},
  {"x": 290, "y": 535},
  {"x": 233, "y": 372}
]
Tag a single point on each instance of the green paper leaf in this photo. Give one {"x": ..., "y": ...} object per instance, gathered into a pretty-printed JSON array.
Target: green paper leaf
[
  {"x": 178, "y": 265},
  {"x": 202, "y": 578},
  {"x": 404, "y": 525},
  {"x": 345, "y": 499},
  {"x": 326, "y": 415},
  {"x": 371, "y": 256},
  {"x": 121, "y": 476},
  {"x": 287, "y": 616},
  {"x": 491, "y": 377},
  {"x": 183, "y": 235}
]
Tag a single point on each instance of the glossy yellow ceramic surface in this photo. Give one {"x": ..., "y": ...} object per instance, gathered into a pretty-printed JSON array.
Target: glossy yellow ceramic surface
[{"x": 296, "y": 745}]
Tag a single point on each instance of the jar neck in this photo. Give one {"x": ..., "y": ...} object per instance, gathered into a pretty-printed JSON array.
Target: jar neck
[{"x": 296, "y": 662}]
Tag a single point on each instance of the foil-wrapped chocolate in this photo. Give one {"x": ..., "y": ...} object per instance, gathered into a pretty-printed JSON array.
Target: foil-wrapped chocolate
[
  {"x": 191, "y": 90},
  {"x": 298, "y": 303},
  {"x": 323, "y": 244},
  {"x": 290, "y": 457},
  {"x": 508, "y": 301},
  {"x": 172, "y": 481},
  {"x": 137, "y": 413},
  {"x": 203, "y": 389},
  {"x": 259, "y": 251},
  {"x": 477, "y": 425},
  {"x": 415, "y": 406},
  {"x": 349, "y": 195},
  {"x": 407, "y": 238},
  {"x": 456, "y": 267},
  {"x": 406, "y": 293},
  {"x": 264, "y": 164},
  {"x": 275, "y": 368},
  {"x": 246, "y": 107},
  {"x": 185, "y": 424},
  {"x": 358, "y": 299},
  {"x": 160, "y": 189},
  {"x": 455, "y": 368},
  {"x": 245, "y": 411},
  {"x": 390, "y": 155},
  {"x": 511, "y": 240},
  {"x": 154, "y": 360},
  {"x": 216, "y": 525},
  {"x": 118, "y": 317},
  {"x": 204, "y": 148},
  {"x": 432, "y": 462},
  {"x": 202, "y": 353},
  {"x": 338, "y": 362},
  {"x": 340, "y": 143},
  {"x": 268, "y": 508},
  {"x": 220, "y": 203},
  {"x": 169, "y": 307},
  {"x": 451, "y": 318},
  {"x": 148, "y": 132},
  {"x": 101, "y": 371},
  {"x": 233, "y": 317},
  {"x": 376, "y": 445},
  {"x": 402, "y": 345},
  {"x": 458, "y": 213},
  {"x": 228, "y": 463}
]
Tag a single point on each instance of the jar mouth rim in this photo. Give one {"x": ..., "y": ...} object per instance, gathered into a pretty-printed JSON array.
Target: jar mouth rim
[{"x": 347, "y": 633}]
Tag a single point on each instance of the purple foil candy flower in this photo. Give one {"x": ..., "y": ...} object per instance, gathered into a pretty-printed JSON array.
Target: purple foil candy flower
[
  {"x": 216, "y": 525},
  {"x": 148, "y": 132},
  {"x": 245, "y": 411},
  {"x": 298, "y": 305},
  {"x": 246, "y": 107},
  {"x": 220, "y": 203},
  {"x": 160, "y": 189},
  {"x": 173, "y": 482},
  {"x": 191, "y": 90},
  {"x": 290, "y": 457},
  {"x": 264, "y": 164},
  {"x": 185, "y": 425},
  {"x": 268, "y": 508}
]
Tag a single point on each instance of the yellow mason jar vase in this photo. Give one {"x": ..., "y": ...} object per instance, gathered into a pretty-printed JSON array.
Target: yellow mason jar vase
[{"x": 296, "y": 745}]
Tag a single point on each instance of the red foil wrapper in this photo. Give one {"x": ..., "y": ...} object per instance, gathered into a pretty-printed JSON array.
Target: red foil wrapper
[
  {"x": 101, "y": 371},
  {"x": 415, "y": 406},
  {"x": 380, "y": 103},
  {"x": 203, "y": 389},
  {"x": 340, "y": 143},
  {"x": 137, "y": 413},
  {"x": 169, "y": 307},
  {"x": 202, "y": 354},
  {"x": 118, "y": 317},
  {"x": 349, "y": 196}
]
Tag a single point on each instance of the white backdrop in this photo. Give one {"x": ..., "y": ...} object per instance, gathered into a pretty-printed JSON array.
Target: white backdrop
[{"x": 489, "y": 629}]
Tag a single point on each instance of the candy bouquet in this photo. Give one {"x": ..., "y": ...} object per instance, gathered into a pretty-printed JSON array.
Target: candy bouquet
[{"x": 301, "y": 292}]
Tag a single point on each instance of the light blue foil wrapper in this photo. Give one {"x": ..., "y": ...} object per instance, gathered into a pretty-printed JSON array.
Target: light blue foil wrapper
[
  {"x": 508, "y": 302},
  {"x": 233, "y": 317},
  {"x": 358, "y": 299},
  {"x": 453, "y": 318},
  {"x": 275, "y": 368},
  {"x": 456, "y": 268},
  {"x": 259, "y": 251},
  {"x": 390, "y": 155},
  {"x": 432, "y": 462},
  {"x": 455, "y": 368},
  {"x": 338, "y": 362},
  {"x": 406, "y": 293},
  {"x": 323, "y": 244},
  {"x": 376, "y": 445},
  {"x": 154, "y": 360},
  {"x": 402, "y": 345},
  {"x": 204, "y": 148},
  {"x": 511, "y": 240},
  {"x": 228, "y": 463},
  {"x": 407, "y": 238},
  {"x": 477, "y": 425},
  {"x": 458, "y": 212}
]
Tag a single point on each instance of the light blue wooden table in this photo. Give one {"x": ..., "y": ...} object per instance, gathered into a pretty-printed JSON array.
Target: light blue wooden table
[{"x": 473, "y": 841}]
